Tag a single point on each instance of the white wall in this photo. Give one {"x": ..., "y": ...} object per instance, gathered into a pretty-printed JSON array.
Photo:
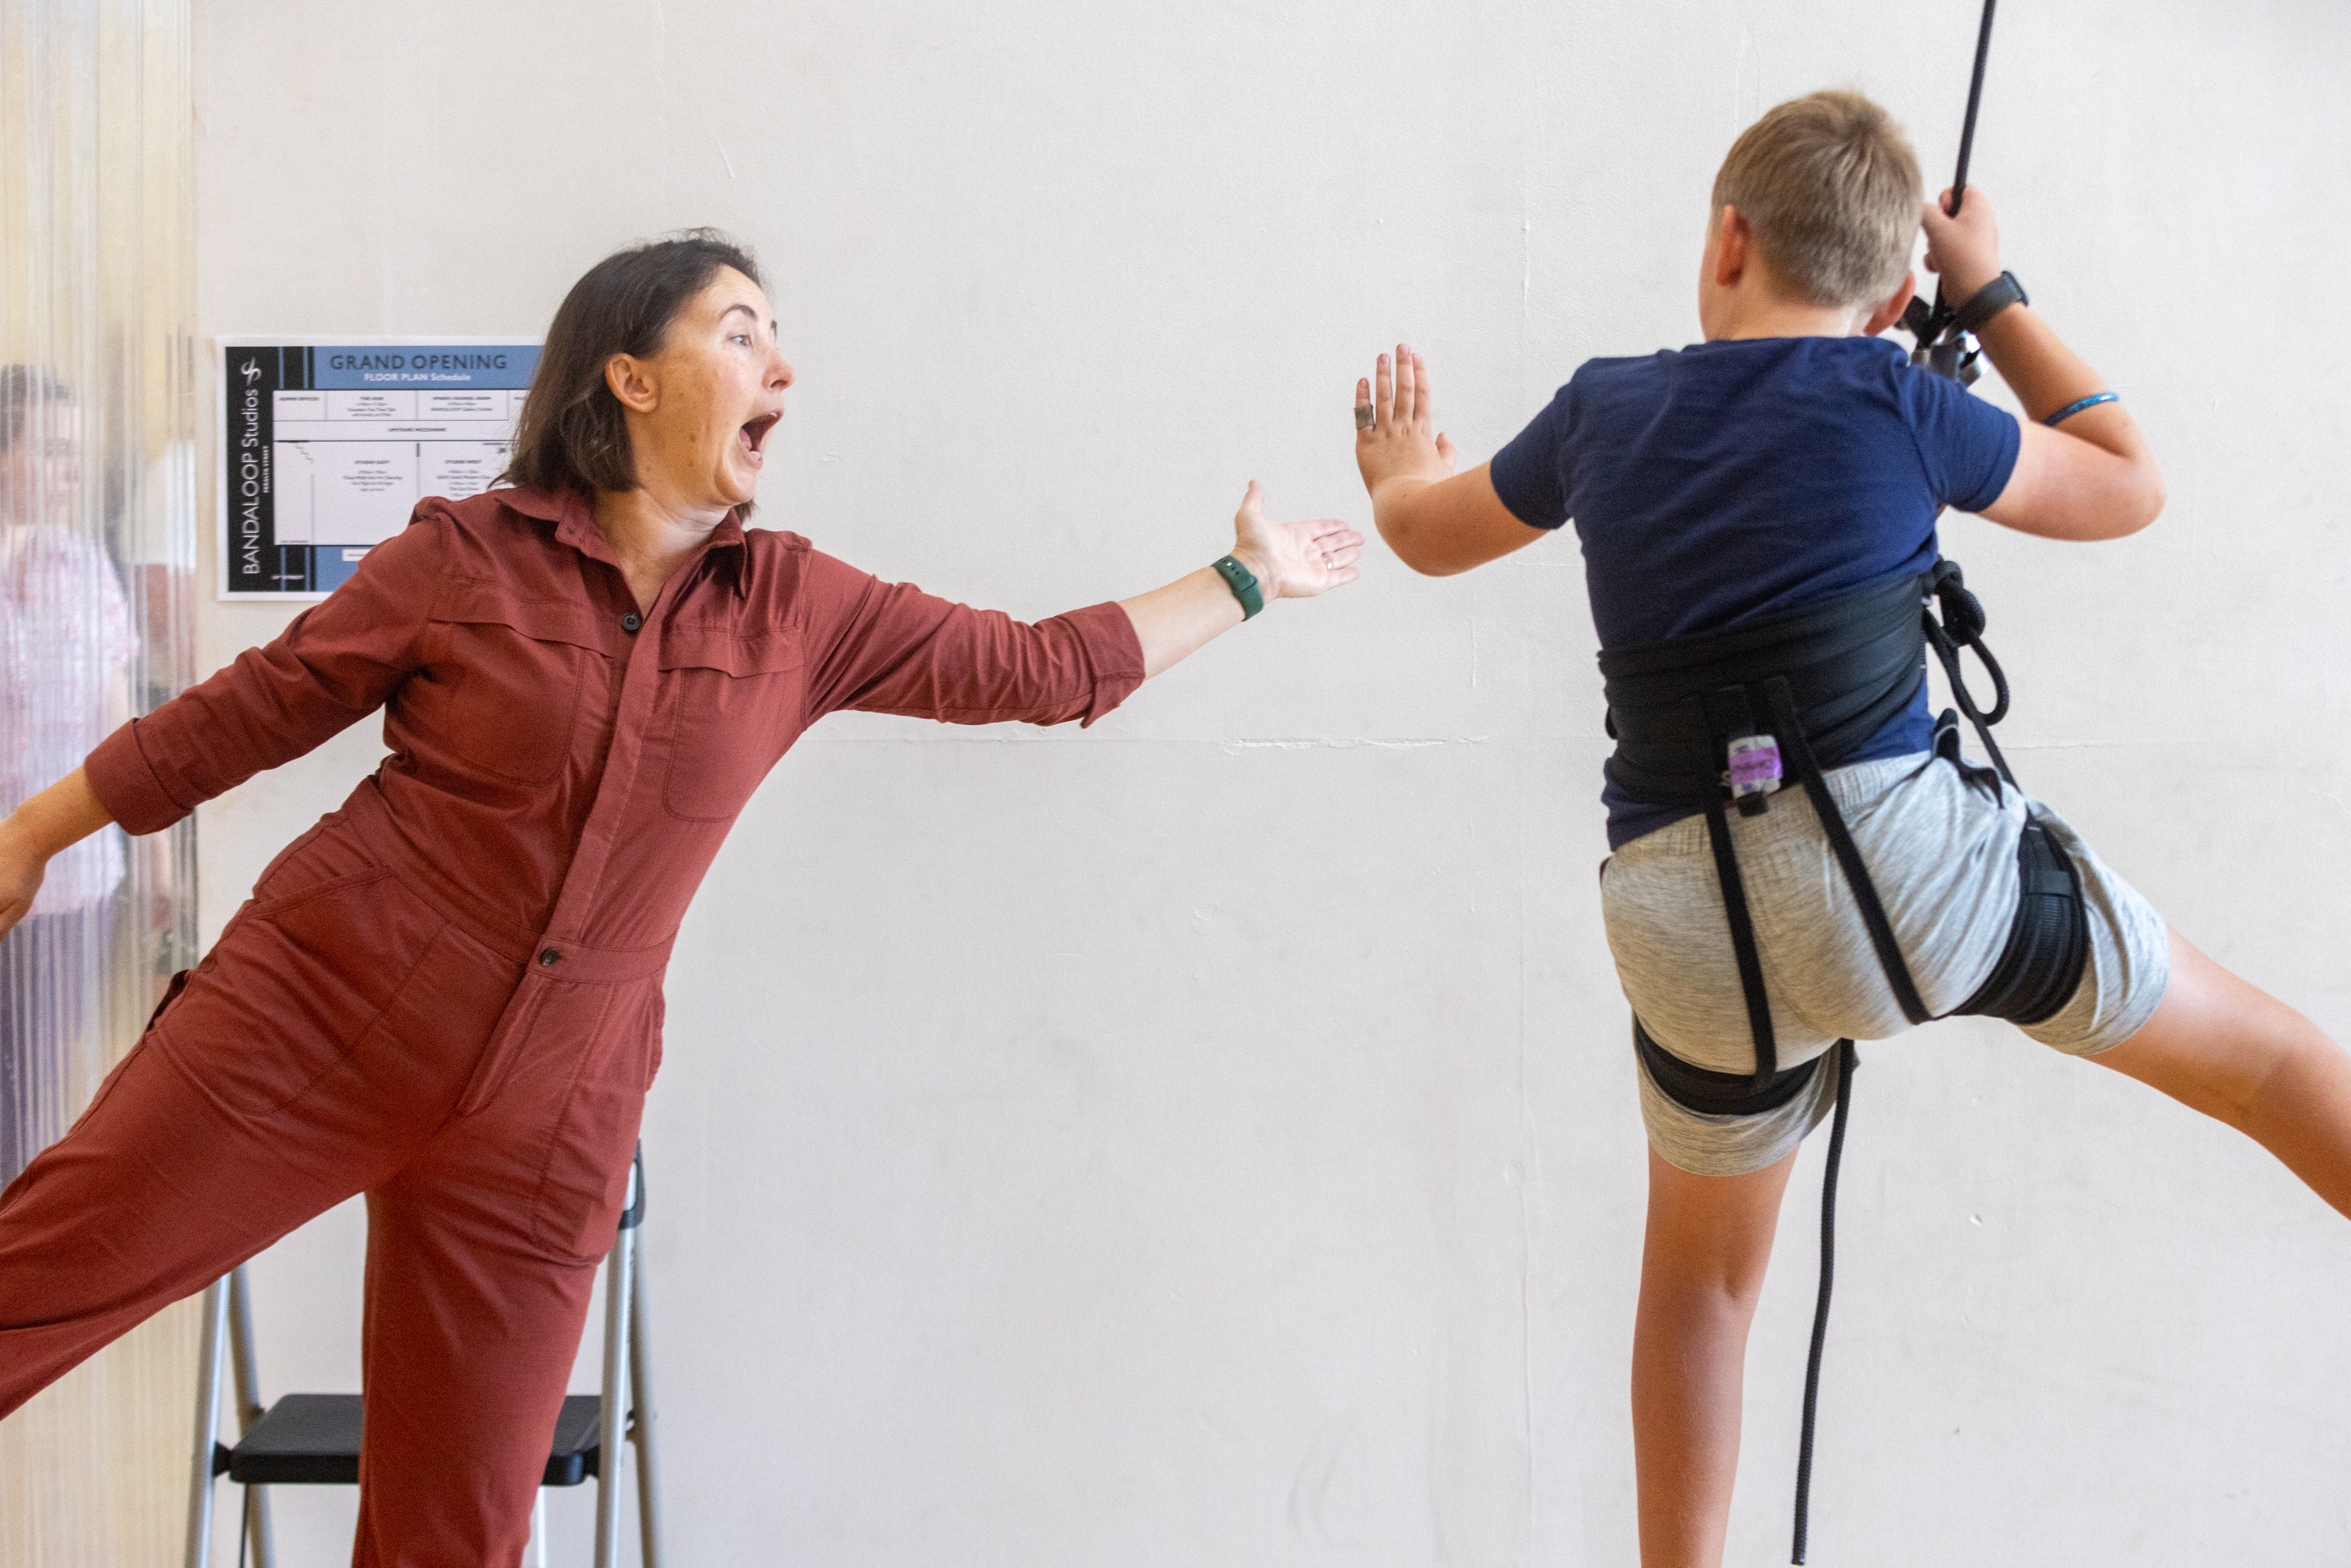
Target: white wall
[{"x": 1211, "y": 1138}]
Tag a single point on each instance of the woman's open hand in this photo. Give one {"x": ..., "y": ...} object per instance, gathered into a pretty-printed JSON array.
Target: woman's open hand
[
  {"x": 1289, "y": 561},
  {"x": 1396, "y": 431},
  {"x": 1294, "y": 560}
]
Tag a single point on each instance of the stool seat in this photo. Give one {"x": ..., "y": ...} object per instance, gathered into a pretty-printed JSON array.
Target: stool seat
[{"x": 313, "y": 1440}]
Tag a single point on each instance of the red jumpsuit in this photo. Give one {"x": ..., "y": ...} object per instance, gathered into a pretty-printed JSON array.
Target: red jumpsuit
[{"x": 447, "y": 994}]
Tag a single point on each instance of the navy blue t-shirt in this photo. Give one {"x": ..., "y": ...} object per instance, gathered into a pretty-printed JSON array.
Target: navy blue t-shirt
[{"x": 1725, "y": 481}]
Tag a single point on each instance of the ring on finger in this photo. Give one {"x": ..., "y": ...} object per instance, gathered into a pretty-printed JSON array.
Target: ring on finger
[{"x": 1363, "y": 416}]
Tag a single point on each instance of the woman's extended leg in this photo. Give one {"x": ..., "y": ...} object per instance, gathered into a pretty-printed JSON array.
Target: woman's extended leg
[
  {"x": 2220, "y": 1045},
  {"x": 277, "y": 1081},
  {"x": 156, "y": 1192},
  {"x": 1702, "y": 1265}
]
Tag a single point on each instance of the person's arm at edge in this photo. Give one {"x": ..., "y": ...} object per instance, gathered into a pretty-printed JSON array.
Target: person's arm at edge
[
  {"x": 1439, "y": 522},
  {"x": 2092, "y": 477}
]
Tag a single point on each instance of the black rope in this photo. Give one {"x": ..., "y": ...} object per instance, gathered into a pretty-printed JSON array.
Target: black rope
[
  {"x": 1975, "y": 97},
  {"x": 1930, "y": 324},
  {"x": 1962, "y": 626},
  {"x": 1847, "y": 1059}
]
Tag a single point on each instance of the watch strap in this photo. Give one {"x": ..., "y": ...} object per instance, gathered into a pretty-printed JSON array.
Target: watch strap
[
  {"x": 1988, "y": 302},
  {"x": 1244, "y": 586}
]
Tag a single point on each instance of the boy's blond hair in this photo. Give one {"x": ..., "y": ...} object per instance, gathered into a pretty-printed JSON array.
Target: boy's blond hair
[{"x": 1832, "y": 189}]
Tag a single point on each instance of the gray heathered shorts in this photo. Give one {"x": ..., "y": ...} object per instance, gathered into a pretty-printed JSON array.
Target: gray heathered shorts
[{"x": 1941, "y": 849}]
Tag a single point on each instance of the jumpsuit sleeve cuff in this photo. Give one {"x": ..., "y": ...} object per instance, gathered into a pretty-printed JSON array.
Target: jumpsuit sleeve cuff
[
  {"x": 1113, "y": 652},
  {"x": 126, "y": 785}
]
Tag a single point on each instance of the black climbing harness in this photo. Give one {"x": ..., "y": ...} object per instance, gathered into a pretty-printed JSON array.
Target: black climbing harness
[{"x": 1721, "y": 720}]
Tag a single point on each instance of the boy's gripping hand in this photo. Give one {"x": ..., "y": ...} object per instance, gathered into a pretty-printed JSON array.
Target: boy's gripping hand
[
  {"x": 1438, "y": 522},
  {"x": 1963, "y": 251}
]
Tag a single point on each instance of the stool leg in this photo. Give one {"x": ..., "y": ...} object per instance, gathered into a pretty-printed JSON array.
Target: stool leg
[
  {"x": 615, "y": 1405},
  {"x": 250, "y": 1407},
  {"x": 641, "y": 1395},
  {"x": 208, "y": 1388}
]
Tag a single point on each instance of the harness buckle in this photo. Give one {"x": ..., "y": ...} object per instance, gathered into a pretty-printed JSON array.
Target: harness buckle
[{"x": 1755, "y": 772}]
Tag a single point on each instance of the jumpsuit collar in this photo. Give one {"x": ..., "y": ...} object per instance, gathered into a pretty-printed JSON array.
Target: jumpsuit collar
[{"x": 574, "y": 518}]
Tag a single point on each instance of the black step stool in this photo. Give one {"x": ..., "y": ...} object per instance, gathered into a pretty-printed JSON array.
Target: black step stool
[{"x": 313, "y": 1440}]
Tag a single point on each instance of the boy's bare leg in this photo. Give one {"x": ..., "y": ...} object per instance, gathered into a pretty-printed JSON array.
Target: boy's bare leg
[
  {"x": 1702, "y": 1264},
  {"x": 2218, "y": 1045}
]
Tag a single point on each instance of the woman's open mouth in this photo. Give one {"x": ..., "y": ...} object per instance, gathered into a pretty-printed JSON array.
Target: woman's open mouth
[{"x": 754, "y": 435}]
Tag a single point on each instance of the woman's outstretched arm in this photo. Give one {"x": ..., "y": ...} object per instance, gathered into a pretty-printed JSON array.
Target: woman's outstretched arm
[{"x": 885, "y": 647}]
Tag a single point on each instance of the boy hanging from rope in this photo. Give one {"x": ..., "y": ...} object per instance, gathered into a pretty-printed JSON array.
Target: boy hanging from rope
[{"x": 1757, "y": 515}]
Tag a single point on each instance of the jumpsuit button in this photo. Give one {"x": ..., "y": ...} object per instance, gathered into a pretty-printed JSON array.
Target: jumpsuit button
[
  {"x": 631, "y": 621},
  {"x": 550, "y": 958}
]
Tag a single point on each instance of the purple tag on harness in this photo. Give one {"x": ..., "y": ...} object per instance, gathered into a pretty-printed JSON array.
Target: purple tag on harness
[{"x": 1754, "y": 765}]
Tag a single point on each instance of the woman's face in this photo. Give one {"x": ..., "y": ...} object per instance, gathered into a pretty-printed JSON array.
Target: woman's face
[
  {"x": 41, "y": 469},
  {"x": 701, "y": 410}
]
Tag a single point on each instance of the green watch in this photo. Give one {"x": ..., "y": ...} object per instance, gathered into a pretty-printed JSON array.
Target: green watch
[{"x": 1236, "y": 577}]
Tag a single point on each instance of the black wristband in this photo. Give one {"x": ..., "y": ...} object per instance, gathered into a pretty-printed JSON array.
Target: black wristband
[{"x": 1988, "y": 302}]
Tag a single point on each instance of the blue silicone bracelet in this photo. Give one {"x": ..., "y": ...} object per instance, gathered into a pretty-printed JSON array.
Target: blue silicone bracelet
[{"x": 2071, "y": 409}]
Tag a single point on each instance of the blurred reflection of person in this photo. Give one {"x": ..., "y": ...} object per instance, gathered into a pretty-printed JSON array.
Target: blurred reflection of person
[{"x": 66, "y": 645}]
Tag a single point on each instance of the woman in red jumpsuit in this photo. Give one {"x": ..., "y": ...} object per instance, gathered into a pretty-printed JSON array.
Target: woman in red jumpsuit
[{"x": 447, "y": 994}]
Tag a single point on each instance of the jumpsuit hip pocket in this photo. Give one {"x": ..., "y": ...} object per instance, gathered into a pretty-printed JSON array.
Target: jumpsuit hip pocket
[
  {"x": 591, "y": 1136},
  {"x": 292, "y": 986}
]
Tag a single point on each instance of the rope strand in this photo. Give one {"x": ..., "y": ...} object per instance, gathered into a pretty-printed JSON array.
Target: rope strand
[{"x": 1846, "y": 1060}]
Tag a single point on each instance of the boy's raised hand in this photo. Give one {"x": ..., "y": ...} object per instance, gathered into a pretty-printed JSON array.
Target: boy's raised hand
[
  {"x": 1395, "y": 433},
  {"x": 1436, "y": 521}
]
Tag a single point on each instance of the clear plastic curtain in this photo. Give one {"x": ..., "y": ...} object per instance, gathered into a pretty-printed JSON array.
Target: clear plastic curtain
[{"x": 97, "y": 569}]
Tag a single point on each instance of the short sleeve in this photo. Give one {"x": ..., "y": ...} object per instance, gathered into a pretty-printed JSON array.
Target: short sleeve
[
  {"x": 1967, "y": 445},
  {"x": 1527, "y": 472}
]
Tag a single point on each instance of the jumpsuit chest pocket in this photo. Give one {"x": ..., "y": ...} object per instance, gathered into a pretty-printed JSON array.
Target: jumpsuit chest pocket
[
  {"x": 735, "y": 705},
  {"x": 513, "y": 671}
]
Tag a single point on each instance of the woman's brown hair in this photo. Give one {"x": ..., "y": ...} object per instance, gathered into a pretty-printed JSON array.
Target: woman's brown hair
[{"x": 572, "y": 435}]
